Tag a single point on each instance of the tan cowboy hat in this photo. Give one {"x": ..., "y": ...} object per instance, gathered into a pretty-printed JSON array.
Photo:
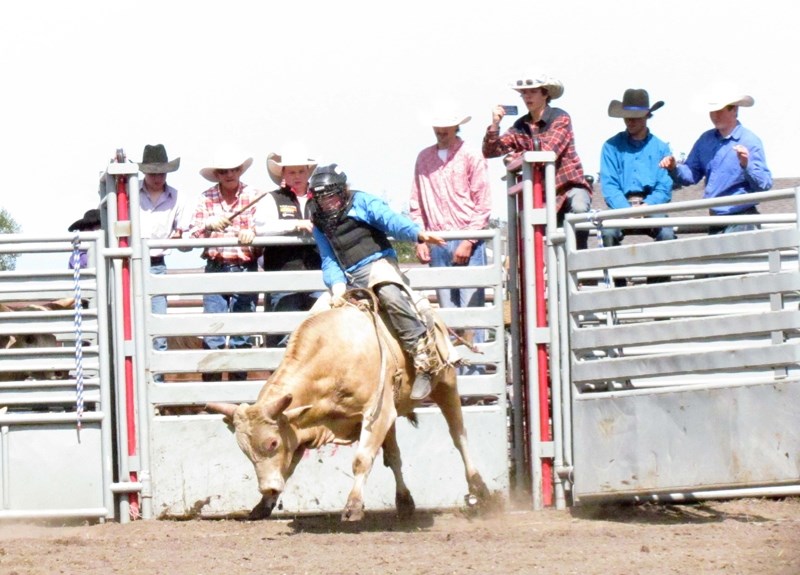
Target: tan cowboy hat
[
  {"x": 727, "y": 97},
  {"x": 555, "y": 88},
  {"x": 155, "y": 160},
  {"x": 225, "y": 159},
  {"x": 293, "y": 156},
  {"x": 635, "y": 104},
  {"x": 449, "y": 119}
]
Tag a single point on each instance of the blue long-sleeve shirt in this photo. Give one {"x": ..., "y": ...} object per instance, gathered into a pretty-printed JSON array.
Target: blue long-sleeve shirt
[
  {"x": 372, "y": 211},
  {"x": 713, "y": 158},
  {"x": 628, "y": 165}
]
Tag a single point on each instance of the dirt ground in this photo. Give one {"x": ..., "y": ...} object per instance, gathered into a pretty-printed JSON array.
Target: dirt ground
[{"x": 746, "y": 536}]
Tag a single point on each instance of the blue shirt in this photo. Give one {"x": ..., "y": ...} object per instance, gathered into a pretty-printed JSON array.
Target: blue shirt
[
  {"x": 628, "y": 165},
  {"x": 372, "y": 211},
  {"x": 713, "y": 158}
]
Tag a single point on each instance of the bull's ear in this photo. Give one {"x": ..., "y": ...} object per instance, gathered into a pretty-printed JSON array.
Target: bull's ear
[
  {"x": 296, "y": 412},
  {"x": 275, "y": 408},
  {"x": 225, "y": 409}
]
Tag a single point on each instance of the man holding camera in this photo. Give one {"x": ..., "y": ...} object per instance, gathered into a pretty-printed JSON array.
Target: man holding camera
[{"x": 544, "y": 128}]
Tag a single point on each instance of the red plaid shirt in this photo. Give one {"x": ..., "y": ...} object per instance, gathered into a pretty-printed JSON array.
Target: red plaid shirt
[
  {"x": 211, "y": 204},
  {"x": 554, "y": 132}
]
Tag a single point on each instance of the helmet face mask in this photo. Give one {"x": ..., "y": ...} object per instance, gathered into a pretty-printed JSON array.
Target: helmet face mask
[{"x": 328, "y": 187}]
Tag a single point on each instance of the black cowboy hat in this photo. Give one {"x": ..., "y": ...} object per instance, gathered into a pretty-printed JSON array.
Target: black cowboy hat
[{"x": 89, "y": 221}]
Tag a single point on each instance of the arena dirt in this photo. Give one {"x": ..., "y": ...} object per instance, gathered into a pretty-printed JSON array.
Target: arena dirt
[{"x": 732, "y": 537}]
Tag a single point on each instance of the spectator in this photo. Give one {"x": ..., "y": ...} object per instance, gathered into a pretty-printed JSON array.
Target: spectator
[
  {"x": 730, "y": 158},
  {"x": 544, "y": 128},
  {"x": 88, "y": 223},
  {"x": 351, "y": 229},
  {"x": 287, "y": 210},
  {"x": 160, "y": 216},
  {"x": 630, "y": 174},
  {"x": 451, "y": 192},
  {"x": 226, "y": 211}
]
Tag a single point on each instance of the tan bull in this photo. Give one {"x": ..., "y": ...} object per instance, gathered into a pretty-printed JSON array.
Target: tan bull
[{"x": 343, "y": 378}]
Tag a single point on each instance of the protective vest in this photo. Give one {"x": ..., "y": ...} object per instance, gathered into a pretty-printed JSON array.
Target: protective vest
[
  {"x": 281, "y": 258},
  {"x": 351, "y": 239}
]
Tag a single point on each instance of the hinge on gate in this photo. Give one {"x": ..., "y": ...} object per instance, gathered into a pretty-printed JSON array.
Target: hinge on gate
[{"x": 546, "y": 450}]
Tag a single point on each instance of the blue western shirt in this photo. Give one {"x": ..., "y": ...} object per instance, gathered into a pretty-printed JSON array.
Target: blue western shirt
[
  {"x": 713, "y": 158},
  {"x": 628, "y": 165}
]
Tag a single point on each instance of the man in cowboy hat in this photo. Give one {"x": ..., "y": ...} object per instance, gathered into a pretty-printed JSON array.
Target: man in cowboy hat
[
  {"x": 451, "y": 192},
  {"x": 88, "y": 223},
  {"x": 630, "y": 174},
  {"x": 160, "y": 217},
  {"x": 227, "y": 210},
  {"x": 544, "y": 128},
  {"x": 730, "y": 158},
  {"x": 286, "y": 210}
]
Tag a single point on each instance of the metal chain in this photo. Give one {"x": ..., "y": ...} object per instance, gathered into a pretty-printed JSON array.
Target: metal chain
[{"x": 76, "y": 276}]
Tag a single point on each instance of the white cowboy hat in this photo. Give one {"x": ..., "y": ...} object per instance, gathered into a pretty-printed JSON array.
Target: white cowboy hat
[
  {"x": 555, "y": 88},
  {"x": 448, "y": 120},
  {"x": 720, "y": 99},
  {"x": 293, "y": 156},
  {"x": 225, "y": 159}
]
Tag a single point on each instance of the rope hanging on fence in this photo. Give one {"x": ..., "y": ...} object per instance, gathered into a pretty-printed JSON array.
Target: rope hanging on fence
[{"x": 76, "y": 276}]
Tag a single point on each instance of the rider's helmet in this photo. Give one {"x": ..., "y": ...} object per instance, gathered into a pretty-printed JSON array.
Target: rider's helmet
[{"x": 328, "y": 188}]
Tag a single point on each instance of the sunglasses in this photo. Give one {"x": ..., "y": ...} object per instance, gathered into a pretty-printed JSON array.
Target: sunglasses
[
  {"x": 226, "y": 171},
  {"x": 526, "y": 82}
]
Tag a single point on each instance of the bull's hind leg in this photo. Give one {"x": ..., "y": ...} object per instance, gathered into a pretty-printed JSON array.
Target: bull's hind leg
[
  {"x": 445, "y": 394},
  {"x": 392, "y": 460},
  {"x": 370, "y": 441}
]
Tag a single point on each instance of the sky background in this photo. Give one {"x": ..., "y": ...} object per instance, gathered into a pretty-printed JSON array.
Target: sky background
[{"x": 353, "y": 81}]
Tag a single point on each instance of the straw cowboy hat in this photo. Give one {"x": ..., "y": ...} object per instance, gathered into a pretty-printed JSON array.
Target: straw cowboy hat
[
  {"x": 449, "y": 119},
  {"x": 155, "y": 161},
  {"x": 555, "y": 89},
  {"x": 635, "y": 104},
  {"x": 89, "y": 221},
  {"x": 293, "y": 156},
  {"x": 225, "y": 159},
  {"x": 728, "y": 97}
]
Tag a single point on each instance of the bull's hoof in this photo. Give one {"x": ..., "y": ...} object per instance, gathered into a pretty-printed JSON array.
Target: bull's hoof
[
  {"x": 353, "y": 512},
  {"x": 405, "y": 505},
  {"x": 262, "y": 510}
]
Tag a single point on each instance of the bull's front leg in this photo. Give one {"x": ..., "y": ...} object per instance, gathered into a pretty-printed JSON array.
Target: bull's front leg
[
  {"x": 391, "y": 459},
  {"x": 446, "y": 397},
  {"x": 370, "y": 441}
]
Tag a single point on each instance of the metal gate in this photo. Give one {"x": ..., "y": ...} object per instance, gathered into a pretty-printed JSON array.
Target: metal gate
[
  {"x": 687, "y": 384},
  {"x": 56, "y": 412},
  {"x": 195, "y": 467}
]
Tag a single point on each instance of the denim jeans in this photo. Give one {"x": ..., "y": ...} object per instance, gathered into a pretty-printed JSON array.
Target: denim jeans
[
  {"x": 158, "y": 304},
  {"x": 228, "y": 303},
  {"x": 732, "y": 228},
  {"x": 287, "y": 301},
  {"x": 614, "y": 236},
  {"x": 398, "y": 305},
  {"x": 579, "y": 201},
  {"x": 442, "y": 256}
]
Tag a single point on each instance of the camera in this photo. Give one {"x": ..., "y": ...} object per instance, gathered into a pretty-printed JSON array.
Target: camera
[{"x": 511, "y": 110}]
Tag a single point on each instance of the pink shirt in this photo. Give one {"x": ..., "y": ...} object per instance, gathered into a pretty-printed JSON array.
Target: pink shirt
[{"x": 453, "y": 194}]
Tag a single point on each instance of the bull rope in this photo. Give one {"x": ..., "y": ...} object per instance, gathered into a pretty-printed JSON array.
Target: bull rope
[
  {"x": 372, "y": 310},
  {"x": 76, "y": 276}
]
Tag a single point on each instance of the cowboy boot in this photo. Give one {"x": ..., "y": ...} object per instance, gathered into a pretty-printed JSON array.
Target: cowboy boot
[{"x": 422, "y": 381}]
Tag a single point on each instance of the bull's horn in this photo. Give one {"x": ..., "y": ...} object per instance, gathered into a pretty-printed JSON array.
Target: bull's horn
[
  {"x": 223, "y": 408},
  {"x": 277, "y": 407}
]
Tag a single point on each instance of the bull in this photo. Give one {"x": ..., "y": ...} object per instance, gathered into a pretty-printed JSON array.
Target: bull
[{"x": 343, "y": 378}]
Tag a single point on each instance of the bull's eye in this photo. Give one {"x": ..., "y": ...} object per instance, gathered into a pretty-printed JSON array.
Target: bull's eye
[{"x": 272, "y": 445}]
